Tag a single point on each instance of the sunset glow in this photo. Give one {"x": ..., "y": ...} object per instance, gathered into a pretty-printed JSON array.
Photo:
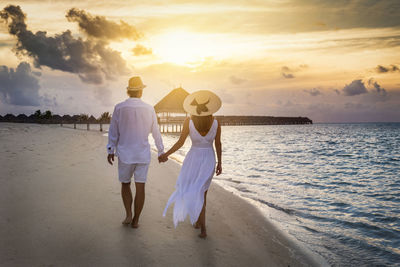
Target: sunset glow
[{"x": 290, "y": 58}]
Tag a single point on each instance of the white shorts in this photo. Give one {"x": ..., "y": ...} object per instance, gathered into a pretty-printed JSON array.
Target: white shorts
[{"x": 138, "y": 170}]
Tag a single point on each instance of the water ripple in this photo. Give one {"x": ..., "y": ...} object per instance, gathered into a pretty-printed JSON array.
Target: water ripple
[{"x": 336, "y": 185}]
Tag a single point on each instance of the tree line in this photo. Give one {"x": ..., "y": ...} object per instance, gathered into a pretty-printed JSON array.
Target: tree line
[{"x": 48, "y": 117}]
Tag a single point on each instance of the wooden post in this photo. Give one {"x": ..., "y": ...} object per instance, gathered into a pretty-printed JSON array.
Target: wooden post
[
  {"x": 74, "y": 125},
  {"x": 101, "y": 127},
  {"x": 61, "y": 124},
  {"x": 87, "y": 126}
]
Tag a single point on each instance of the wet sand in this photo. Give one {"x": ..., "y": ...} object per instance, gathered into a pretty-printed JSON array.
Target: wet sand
[{"x": 60, "y": 205}]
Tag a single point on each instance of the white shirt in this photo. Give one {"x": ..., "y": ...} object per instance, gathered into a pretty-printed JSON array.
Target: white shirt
[{"x": 131, "y": 123}]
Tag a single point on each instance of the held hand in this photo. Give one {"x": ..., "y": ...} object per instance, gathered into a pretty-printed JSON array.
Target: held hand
[
  {"x": 218, "y": 170},
  {"x": 162, "y": 158},
  {"x": 110, "y": 158}
]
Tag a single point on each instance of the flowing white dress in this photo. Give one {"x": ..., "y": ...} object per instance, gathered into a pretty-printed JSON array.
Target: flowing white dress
[{"x": 195, "y": 176}]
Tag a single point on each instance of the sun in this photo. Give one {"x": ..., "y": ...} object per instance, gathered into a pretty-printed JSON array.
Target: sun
[{"x": 182, "y": 47}]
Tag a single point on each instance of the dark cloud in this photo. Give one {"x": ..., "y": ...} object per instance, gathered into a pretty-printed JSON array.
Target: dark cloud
[
  {"x": 383, "y": 69},
  {"x": 285, "y": 72},
  {"x": 349, "y": 13},
  {"x": 313, "y": 92},
  {"x": 236, "y": 80},
  {"x": 140, "y": 50},
  {"x": 287, "y": 75},
  {"x": 356, "y": 87},
  {"x": 378, "y": 89},
  {"x": 288, "y": 72},
  {"x": 91, "y": 60},
  {"x": 100, "y": 27},
  {"x": 20, "y": 86}
]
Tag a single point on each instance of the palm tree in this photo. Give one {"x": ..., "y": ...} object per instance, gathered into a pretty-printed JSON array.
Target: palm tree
[
  {"x": 37, "y": 113},
  {"x": 47, "y": 115},
  {"x": 105, "y": 117},
  {"x": 83, "y": 117}
]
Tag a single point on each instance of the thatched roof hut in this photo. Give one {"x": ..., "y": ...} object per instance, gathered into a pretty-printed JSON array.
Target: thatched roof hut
[{"x": 173, "y": 102}]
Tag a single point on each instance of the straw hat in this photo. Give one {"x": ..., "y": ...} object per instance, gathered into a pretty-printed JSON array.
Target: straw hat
[
  {"x": 135, "y": 84},
  {"x": 202, "y": 103}
]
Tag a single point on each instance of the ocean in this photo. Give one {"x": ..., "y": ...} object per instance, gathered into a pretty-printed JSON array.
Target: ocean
[{"x": 333, "y": 187}]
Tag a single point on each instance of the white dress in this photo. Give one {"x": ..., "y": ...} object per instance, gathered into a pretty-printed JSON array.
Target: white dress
[{"x": 195, "y": 176}]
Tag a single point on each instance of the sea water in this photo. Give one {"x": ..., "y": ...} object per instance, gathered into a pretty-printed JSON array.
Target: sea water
[{"x": 334, "y": 187}]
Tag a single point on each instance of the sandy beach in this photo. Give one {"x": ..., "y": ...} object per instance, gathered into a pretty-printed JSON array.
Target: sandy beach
[{"x": 60, "y": 205}]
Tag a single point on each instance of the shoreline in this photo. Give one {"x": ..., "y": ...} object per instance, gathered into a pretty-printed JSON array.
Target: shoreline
[
  {"x": 72, "y": 199},
  {"x": 312, "y": 256}
]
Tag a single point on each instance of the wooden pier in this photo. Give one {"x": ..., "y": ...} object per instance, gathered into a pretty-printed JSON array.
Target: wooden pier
[{"x": 174, "y": 124}]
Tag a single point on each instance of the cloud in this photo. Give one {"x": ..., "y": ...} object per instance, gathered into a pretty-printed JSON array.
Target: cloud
[
  {"x": 100, "y": 27},
  {"x": 356, "y": 87},
  {"x": 288, "y": 72},
  {"x": 287, "y": 75},
  {"x": 378, "y": 89},
  {"x": 268, "y": 17},
  {"x": 20, "y": 86},
  {"x": 92, "y": 60},
  {"x": 313, "y": 92},
  {"x": 140, "y": 50},
  {"x": 236, "y": 80},
  {"x": 383, "y": 69}
]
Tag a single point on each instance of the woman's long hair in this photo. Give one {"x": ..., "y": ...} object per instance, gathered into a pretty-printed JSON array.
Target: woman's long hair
[{"x": 202, "y": 123}]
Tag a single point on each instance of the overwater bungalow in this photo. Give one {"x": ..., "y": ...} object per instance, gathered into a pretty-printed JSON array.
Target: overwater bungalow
[{"x": 170, "y": 112}]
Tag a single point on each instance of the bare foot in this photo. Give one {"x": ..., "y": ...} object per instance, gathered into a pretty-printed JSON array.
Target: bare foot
[
  {"x": 203, "y": 235},
  {"x": 196, "y": 225},
  {"x": 135, "y": 223},
  {"x": 127, "y": 220}
]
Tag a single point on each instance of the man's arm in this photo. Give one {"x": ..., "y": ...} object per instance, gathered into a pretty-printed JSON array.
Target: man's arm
[
  {"x": 113, "y": 136},
  {"x": 155, "y": 132}
]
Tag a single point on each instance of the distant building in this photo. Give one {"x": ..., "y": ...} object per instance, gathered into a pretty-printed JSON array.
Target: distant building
[{"x": 170, "y": 112}]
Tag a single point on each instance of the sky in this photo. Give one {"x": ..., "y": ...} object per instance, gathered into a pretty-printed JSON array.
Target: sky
[{"x": 331, "y": 61}]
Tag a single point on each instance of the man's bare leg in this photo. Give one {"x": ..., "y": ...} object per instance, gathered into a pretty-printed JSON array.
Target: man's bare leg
[
  {"x": 139, "y": 202},
  {"x": 127, "y": 199},
  {"x": 202, "y": 219}
]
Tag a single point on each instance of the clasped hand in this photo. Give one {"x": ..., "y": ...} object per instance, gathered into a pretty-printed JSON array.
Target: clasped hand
[{"x": 162, "y": 158}]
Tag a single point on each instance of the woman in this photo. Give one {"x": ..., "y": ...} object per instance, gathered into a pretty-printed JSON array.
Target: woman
[{"x": 199, "y": 164}]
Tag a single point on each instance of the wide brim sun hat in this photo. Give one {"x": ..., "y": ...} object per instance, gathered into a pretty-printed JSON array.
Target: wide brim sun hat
[
  {"x": 202, "y": 103},
  {"x": 135, "y": 84}
]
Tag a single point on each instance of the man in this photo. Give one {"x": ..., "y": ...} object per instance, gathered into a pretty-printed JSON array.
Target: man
[{"x": 131, "y": 123}]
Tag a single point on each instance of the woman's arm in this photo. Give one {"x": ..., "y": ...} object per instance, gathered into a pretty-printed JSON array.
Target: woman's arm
[
  {"x": 181, "y": 141},
  {"x": 218, "y": 147}
]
